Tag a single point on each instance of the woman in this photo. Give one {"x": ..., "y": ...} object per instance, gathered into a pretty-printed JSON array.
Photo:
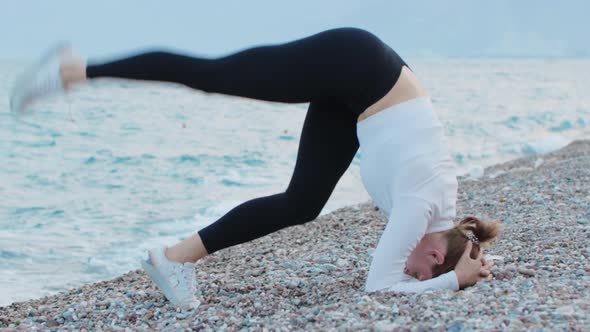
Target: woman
[{"x": 360, "y": 93}]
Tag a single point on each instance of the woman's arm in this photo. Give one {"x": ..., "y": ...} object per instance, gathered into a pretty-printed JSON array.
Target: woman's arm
[{"x": 406, "y": 226}]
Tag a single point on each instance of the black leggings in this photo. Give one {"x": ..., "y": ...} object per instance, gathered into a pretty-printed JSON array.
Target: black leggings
[{"x": 339, "y": 72}]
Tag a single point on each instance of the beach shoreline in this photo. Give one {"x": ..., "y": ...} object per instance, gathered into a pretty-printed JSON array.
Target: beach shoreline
[{"x": 311, "y": 276}]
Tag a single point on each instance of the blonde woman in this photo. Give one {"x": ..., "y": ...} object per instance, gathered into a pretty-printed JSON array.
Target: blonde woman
[{"x": 360, "y": 94}]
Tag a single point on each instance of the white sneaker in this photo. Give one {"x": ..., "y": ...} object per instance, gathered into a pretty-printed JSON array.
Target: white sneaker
[
  {"x": 176, "y": 280},
  {"x": 39, "y": 80}
]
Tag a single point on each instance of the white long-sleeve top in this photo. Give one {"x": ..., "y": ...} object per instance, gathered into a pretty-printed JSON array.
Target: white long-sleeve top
[{"x": 408, "y": 172}]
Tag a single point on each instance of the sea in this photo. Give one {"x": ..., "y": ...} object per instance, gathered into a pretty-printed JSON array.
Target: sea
[{"x": 92, "y": 179}]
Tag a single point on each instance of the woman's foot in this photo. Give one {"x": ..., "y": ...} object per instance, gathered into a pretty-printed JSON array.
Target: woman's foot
[
  {"x": 56, "y": 70},
  {"x": 176, "y": 280}
]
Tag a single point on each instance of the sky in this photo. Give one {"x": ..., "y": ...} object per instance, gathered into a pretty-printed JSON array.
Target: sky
[{"x": 452, "y": 28}]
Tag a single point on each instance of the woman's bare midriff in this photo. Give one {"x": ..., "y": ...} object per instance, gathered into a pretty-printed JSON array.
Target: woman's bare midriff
[{"x": 407, "y": 87}]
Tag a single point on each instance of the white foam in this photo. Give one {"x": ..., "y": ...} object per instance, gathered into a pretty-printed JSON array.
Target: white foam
[
  {"x": 545, "y": 144},
  {"x": 476, "y": 172}
]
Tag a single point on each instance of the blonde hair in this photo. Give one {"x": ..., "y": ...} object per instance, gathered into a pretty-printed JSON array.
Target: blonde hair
[{"x": 469, "y": 229}]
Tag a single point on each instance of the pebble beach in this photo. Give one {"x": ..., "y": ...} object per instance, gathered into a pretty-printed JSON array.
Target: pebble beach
[{"x": 311, "y": 277}]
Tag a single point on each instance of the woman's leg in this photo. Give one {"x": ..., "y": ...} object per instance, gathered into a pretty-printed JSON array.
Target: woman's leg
[
  {"x": 340, "y": 72},
  {"x": 344, "y": 64},
  {"x": 327, "y": 146}
]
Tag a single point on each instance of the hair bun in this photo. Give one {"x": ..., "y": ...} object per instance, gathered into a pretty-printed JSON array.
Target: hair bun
[
  {"x": 483, "y": 231},
  {"x": 469, "y": 229}
]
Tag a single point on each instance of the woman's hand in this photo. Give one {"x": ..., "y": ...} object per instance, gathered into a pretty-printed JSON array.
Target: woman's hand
[{"x": 469, "y": 271}]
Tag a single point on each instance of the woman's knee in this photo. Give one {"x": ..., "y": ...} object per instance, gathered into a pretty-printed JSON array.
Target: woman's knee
[{"x": 305, "y": 207}]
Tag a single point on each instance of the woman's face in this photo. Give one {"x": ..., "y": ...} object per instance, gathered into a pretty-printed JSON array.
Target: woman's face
[
  {"x": 431, "y": 250},
  {"x": 419, "y": 265}
]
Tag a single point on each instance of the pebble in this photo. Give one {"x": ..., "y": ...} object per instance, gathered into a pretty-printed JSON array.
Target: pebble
[
  {"x": 385, "y": 326},
  {"x": 525, "y": 271},
  {"x": 342, "y": 262},
  {"x": 567, "y": 310},
  {"x": 455, "y": 327},
  {"x": 121, "y": 314}
]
